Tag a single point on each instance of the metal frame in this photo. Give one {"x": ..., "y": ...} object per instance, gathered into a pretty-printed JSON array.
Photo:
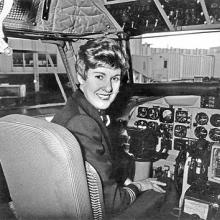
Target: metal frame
[{"x": 110, "y": 2}]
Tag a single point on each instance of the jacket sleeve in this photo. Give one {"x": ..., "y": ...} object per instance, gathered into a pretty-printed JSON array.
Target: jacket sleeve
[{"x": 89, "y": 135}]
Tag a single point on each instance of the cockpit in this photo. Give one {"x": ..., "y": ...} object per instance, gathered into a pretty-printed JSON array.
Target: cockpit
[{"x": 166, "y": 115}]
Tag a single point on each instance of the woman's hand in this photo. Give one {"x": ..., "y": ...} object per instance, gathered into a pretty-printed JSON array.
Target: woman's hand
[
  {"x": 148, "y": 184},
  {"x": 127, "y": 182}
]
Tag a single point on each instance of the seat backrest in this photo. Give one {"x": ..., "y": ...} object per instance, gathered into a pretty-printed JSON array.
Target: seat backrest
[{"x": 45, "y": 172}]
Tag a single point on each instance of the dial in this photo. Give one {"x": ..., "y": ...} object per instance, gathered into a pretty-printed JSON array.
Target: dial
[
  {"x": 165, "y": 130},
  {"x": 214, "y": 134},
  {"x": 181, "y": 116},
  {"x": 200, "y": 132},
  {"x": 153, "y": 113},
  {"x": 152, "y": 124},
  {"x": 142, "y": 112},
  {"x": 215, "y": 120},
  {"x": 180, "y": 131},
  {"x": 166, "y": 115},
  {"x": 202, "y": 118}
]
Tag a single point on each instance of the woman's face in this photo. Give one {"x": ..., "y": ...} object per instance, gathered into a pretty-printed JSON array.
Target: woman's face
[{"x": 101, "y": 86}]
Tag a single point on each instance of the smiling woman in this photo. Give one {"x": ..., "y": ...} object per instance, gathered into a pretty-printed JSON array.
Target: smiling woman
[
  {"x": 101, "y": 86},
  {"x": 100, "y": 66}
]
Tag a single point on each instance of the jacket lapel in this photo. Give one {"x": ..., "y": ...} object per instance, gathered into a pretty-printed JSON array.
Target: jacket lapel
[{"x": 79, "y": 97}]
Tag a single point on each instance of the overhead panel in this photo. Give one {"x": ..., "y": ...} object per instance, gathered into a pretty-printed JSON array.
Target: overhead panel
[
  {"x": 147, "y": 16},
  {"x": 72, "y": 18}
]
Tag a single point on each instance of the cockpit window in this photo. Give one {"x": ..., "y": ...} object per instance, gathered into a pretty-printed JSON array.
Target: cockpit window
[{"x": 33, "y": 77}]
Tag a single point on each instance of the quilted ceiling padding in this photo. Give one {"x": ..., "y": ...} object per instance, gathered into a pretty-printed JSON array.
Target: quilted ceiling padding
[{"x": 75, "y": 17}]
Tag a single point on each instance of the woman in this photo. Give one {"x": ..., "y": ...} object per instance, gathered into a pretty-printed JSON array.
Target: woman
[{"x": 100, "y": 67}]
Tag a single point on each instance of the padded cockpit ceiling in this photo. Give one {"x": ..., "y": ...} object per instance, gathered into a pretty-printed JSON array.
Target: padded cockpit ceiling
[{"x": 77, "y": 17}]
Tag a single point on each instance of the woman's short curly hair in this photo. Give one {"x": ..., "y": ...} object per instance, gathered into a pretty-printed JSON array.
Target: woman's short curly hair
[{"x": 101, "y": 52}]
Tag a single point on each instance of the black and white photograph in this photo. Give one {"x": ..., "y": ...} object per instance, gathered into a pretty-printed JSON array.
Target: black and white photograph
[{"x": 109, "y": 109}]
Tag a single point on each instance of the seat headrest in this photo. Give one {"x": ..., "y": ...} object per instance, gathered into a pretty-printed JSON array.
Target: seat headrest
[{"x": 44, "y": 169}]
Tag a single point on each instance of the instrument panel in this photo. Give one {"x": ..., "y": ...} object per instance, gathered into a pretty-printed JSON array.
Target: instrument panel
[{"x": 182, "y": 125}]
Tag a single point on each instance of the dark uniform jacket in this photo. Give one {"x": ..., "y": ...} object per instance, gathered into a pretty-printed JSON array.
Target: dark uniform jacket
[{"x": 84, "y": 121}]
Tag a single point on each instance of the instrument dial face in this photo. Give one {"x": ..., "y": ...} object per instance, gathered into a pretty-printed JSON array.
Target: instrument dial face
[
  {"x": 202, "y": 118},
  {"x": 215, "y": 120},
  {"x": 152, "y": 125},
  {"x": 214, "y": 134},
  {"x": 165, "y": 130},
  {"x": 181, "y": 116},
  {"x": 142, "y": 112},
  {"x": 180, "y": 131},
  {"x": 153, "y": 113},
  {"x": 166, "y": 115},
  {"x": 200, "y": 132}
]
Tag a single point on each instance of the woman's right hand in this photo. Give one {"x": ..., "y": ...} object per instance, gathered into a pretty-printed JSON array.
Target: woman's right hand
[{"x": 148, "y": 184}]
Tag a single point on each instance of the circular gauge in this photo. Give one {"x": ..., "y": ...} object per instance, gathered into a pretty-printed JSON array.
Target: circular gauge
[
  {"x": 166, "y": 127},
  {"x": 141, "y": 124},
  {"x": 166, "y": 115},
  {"x": 165, "y": 130},
  {"x": 152, "y": 125},
  {"x": 153, "y": 113},
  {"x": 181, "y": 116},
  {"x": 200, "y": 132},
  {"x": 215, "y": 120},
  {"x": 202, "y": 118},
  {"x": 142, "y": 112},
  {"x": 214, "y": 134},
  {"x": 180, "y": 131}
]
